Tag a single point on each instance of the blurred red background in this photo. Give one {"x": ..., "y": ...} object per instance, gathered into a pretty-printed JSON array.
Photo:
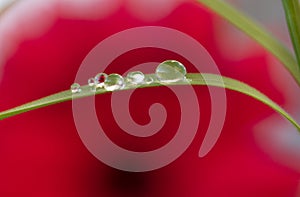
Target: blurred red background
[{"x": 42, "y": 46}]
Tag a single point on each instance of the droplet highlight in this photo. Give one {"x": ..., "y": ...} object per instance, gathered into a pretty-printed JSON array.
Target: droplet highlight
[
  {"x": 114, "y": 82},
  {"x": 135, "y": 77},
  {"x": 75, "y": 88},
  {"x": 170, "y": 71},
  {"x": 100, "y": 79}
]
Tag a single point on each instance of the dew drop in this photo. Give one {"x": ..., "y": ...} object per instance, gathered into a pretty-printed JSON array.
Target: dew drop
[
  {"x": 100, "y": 79},
  {"x": 114, "y": 82},
  {"x": 170, "y": 71},
  {"x": 75, "y": 88},
  {"x": 135, "y": 77},
  {"x": 148, "y": 80},
  {"x": 91, "y": 82}
]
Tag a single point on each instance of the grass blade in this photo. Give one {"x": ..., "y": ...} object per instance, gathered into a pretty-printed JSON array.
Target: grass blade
[
  {"x": 257, "y": 32},
  {"x": 194, "y": 79},
  {"x": 292, "y": 14}
]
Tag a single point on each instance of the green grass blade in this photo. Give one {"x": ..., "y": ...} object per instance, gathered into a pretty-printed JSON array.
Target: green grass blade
[
  {"x": 193, "y": 78},
  {"x": 238, "y": 86},
  {"x": 292, "y": 15},
  {"x": 257, "y": 32}
]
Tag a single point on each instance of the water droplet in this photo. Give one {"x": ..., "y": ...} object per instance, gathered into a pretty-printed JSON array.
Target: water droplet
[
  {"x": 100, "y": 79},
  {"x": 75, "y": 88},
  {"x": 170, "y": 71},
  {"x": 135, "y": 77},
  {"x": 148, "y": 80},
  {"x": 114, "y": 82},
  {"x": 91, "y": 82}
]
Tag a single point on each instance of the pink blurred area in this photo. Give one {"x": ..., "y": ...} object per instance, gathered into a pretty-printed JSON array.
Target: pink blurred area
[{"x": 42, "y": 44}]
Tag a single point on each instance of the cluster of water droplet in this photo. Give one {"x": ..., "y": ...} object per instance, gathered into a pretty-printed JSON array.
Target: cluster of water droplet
[{"x": 169, "y": 71}]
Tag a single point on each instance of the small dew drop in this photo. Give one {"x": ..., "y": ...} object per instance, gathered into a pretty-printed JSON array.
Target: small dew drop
[
  {"x": 170, "y": 71},
  {"x": 114, "y": 82},
  {"x": 91, "y": 82},
  {"x": 100, "y": 79},
  {"x": 148, "y": 80},
  {"x": 135, "y": 77},
  {"x": 75, "y": 88}
]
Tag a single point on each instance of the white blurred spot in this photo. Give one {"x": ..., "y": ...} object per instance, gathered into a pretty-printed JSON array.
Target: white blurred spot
[
  {"x": 233, "y": 43},
  {"x": 280, "y": 140},
  {"x": 151, "y": 10},
  {"x": 5, "y": 3},
  {"x": 28, "y": 19}
]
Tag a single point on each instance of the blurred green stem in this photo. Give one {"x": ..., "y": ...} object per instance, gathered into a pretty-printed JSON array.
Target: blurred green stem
[
  {"x": 257, "y": 32},
  {"x": 292, "y": 14},
  {"x": 6, "y": 6}
]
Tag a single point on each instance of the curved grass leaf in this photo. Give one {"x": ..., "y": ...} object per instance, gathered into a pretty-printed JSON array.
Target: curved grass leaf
[
  {"x": 292, "y": 15},
  {"x": 257, "y": 32},
  {"x": 193, "y": 79}
]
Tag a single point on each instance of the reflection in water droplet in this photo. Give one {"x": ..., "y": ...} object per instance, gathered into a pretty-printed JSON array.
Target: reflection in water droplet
[
  {"x": 114, "y": 82},
  {"x": 135, "y": 77},
  {"x": 170, "y": 71},
  {"x": 75, "y": 88},
  {"x": 100, "y": 79}
]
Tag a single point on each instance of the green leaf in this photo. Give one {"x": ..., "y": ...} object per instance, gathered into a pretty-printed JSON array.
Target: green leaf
[
  {"x": 193, "y": 79},
  {"x": 257, "y": 32},
  {"x": 292, "y": 14}
]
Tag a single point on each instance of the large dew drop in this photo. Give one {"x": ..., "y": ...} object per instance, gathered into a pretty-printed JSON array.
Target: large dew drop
[
  {"x": 170, "y": 71},
  {"x": 114, "y": 82},
  {"x": 75, "y": 88}
]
